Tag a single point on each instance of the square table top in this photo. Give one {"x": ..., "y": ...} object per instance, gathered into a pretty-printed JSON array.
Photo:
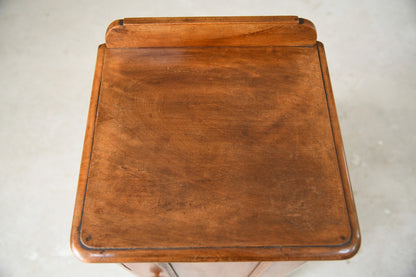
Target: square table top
[{"x": 213, "y": 139}]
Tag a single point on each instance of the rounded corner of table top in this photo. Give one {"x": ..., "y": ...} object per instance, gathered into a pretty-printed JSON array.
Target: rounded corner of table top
[{"x": 80, "y": 251}]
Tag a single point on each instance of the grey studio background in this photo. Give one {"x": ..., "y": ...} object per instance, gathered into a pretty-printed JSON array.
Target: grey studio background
[{"x": 47, "y": 58}]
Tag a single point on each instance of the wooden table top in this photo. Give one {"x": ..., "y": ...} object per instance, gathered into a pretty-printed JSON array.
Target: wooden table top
[{"x": 213, "y": 139}]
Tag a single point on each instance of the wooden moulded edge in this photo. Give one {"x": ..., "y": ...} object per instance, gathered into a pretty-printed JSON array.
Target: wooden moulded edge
[
  {"x": 351, "y": 247},
  {"x": 78, "y": 248},
  {"x": 211, "y": 31}
]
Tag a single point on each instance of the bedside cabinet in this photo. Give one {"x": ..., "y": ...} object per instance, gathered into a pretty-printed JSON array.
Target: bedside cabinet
[{"x": 213, "y": 149}]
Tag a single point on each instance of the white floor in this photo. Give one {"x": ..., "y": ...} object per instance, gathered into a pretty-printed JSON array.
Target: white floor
[{"x": 47, "y": 57}]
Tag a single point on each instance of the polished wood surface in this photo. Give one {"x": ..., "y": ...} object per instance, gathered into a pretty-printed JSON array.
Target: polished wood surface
[
  {"x": 213, "y": 152},
  {"x": 211, "y": 31}
]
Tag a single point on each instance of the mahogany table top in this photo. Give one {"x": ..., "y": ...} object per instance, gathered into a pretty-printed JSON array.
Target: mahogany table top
[{"x": 213, "y": 139}]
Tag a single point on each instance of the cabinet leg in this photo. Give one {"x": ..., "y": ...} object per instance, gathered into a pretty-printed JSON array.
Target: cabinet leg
[
  {"x": 151, "y": 269},
  {"x": 260, "y": 268},
  {"x": 275, "y": 269}
]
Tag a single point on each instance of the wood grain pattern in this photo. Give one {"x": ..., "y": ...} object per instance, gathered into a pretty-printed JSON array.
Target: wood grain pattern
[
  {"x": 210, "y": 31},
  {"x": 213, "y": 154}
]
